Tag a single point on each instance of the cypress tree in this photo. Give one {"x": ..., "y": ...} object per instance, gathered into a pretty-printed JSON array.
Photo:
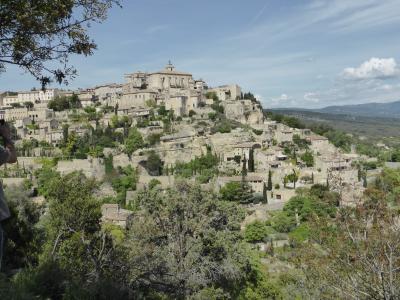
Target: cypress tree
[
  {"x": 251, "y": 160},
  {"x": 65, "y": 133},
  {"x": 269, "y": 184},
  {"x": 244, "y": 167},
  {"x": 365, "y": 183},
  {"x": 265, "y": 196},
  {"x": 116, "y": 109}
]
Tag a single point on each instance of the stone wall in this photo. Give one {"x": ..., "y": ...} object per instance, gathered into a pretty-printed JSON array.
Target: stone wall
[{"x": 91, "y": 167}]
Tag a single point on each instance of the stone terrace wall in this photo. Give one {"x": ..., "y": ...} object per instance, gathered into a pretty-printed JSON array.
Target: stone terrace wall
[{"x": 92, "y": 167}]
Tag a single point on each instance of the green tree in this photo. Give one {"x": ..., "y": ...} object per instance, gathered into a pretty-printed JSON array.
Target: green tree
[
  {"x": 308, "y": 159},
  {"x": 154, "y": 163},
  {"x": 269, "y": 184},
  {"x": 39, "y": 37},
  {"x": 192, "y": 113},
  {"x": 108, "y": 164},
  {"x": 255, "y": 232},
  {"x": 153, "y": 138},
  {"x": 74, "y": 101},
  {"x": 365, "y": 182},
  {"x": 162, "y": 111},
  {"x": 65, "y": 133},
  {"x": 251, "y": 161},
  {"x": 153, "y": 183},
  {"x": 134, "y": 141},
  {"x": 265, "y": 195},
  {"x": 185, "y": 242},
  {"x": 74, "y": 237},
  {"x": 28, "y": 105},
  {"x": 237, "y": 192},
  {"x": 339, "y": 256},
  {"x": 292, "y": 177},
  {"x": 244, "y": 167},
  {"x": 308, "y": 205},
  {"x": 24, "y": 238}
]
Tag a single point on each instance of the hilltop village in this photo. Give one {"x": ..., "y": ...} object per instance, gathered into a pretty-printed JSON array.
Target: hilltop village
[{"x": 161, "y": 127}]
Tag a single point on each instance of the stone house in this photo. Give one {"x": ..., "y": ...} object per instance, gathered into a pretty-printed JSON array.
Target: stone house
[
  {"x": 256, "y": 182},
  {"x": 137, "y": 98},
  {"x": 284, "y": 134},
  {"x": 108, "y": 94},
  {"x": 227, "y": 92},
  {"x": 318, "y": 143},
  {"x": 112, "y": 213}
]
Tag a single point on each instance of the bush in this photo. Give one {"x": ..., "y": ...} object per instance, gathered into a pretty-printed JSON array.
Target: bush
[
  {"x": 154, "y": 138},
  {"x": 192, "y": 113},
  {"x": 308, "y": 159},
  {"x": 154, "y": 164},
  {"x": 282, "y": 222},
  {"x": 212, "y": 116},
  {"x": 257, "y": 132},
  {"x": 300, "y": 234},
  {"x": 257, "y": 232},
  {"x": 154, "y": 182}
]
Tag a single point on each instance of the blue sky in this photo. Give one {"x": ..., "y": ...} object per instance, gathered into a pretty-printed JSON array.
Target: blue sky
[{"x": 289, "y": 53}]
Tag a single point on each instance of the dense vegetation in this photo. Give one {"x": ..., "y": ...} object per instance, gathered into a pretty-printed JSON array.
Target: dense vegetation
[{"x": 187, "y": 243}]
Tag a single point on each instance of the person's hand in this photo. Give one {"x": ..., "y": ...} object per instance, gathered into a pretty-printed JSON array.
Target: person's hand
[{"x": 5, "y": 132}]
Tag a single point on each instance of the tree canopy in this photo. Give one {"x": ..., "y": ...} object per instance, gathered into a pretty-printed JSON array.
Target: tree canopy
[{"x": 39, "y": 36}]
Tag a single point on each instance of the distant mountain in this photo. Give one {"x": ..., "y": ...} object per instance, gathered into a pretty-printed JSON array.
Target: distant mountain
[{"x": 384, "y": 110}]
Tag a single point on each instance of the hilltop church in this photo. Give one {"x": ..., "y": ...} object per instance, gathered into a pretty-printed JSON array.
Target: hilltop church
[{"x": 177, "y": 90}]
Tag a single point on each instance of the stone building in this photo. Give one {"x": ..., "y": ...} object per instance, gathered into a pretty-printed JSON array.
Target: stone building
[
  {"x": 227, "y": 92},
  {"x": 256, "y": 182},
  {"x": 108, "y": 94},
  {"x": 36, "y": 97},
  {"x": 244, "y": 111},
  {"x": 87, "y": 97},
  {"x": 113, "y": 213},
  {"x": 175, "y": 89},
  {"x": 319, "y": 143},
  {"x": 166, "y": 79},
  {"x": 137, "y": 98},
  {"x": 14, "y": 114}
]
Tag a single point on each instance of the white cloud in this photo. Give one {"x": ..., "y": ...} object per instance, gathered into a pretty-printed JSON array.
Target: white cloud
[
  {"x": 375, "y": 68},
  {"x": 283, "y": 97},
  {"x": 281, "y": 101},
  {"x": 311, "y": 97}
]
